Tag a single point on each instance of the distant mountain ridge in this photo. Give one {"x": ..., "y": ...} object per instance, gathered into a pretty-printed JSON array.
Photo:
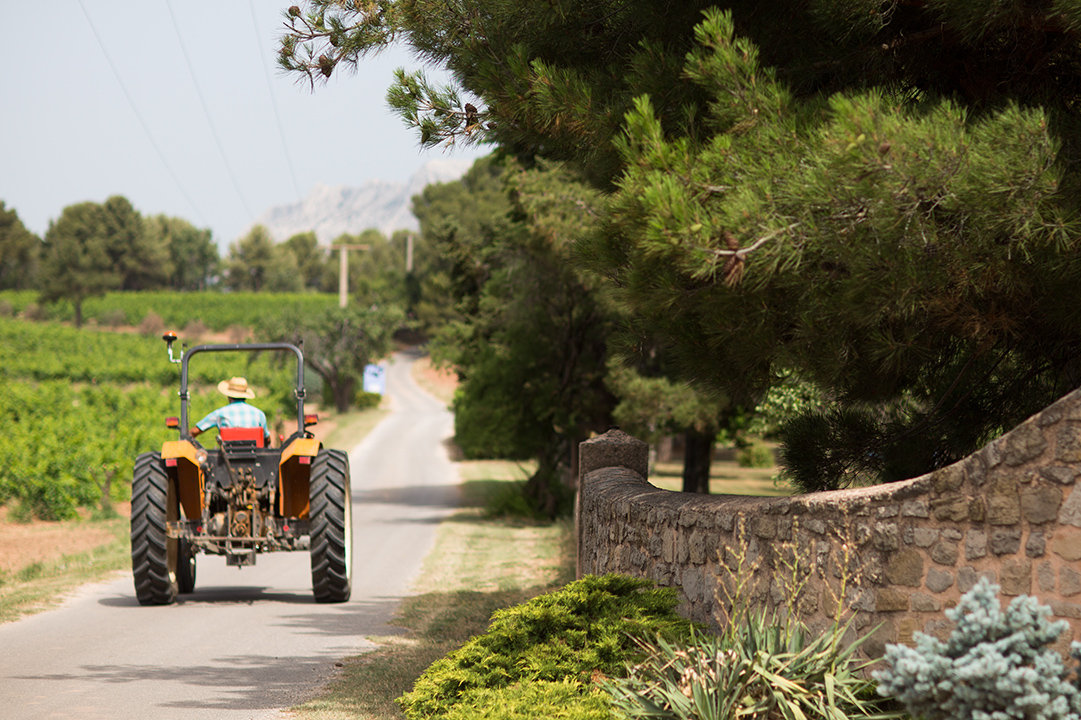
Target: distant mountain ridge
[{"x": 386, "y": 206}]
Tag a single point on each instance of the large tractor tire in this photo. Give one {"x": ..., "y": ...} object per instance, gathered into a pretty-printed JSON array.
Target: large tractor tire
[
  {"x": 153, "y": 555},
  {"x": 330, "y": 511}
]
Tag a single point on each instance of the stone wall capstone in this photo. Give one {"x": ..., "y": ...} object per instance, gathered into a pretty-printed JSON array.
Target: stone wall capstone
[{"x": 898, "y": 554}]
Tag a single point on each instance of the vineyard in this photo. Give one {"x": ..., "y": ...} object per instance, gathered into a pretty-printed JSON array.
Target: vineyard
[
  {"x": 79, "y": 405},
  {"x": 216, "y": 310}
]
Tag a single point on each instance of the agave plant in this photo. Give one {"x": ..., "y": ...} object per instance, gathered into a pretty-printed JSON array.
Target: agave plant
[{"x": 762, "y": 668}]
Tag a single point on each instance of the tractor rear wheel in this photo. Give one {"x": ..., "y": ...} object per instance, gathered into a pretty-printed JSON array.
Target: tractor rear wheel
[
  {"x": 153, "y": 555},
  {"x": 331, "y": 515}
]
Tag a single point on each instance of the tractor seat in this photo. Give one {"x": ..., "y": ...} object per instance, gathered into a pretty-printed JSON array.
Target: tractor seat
[{"x": 234, "y": 434}]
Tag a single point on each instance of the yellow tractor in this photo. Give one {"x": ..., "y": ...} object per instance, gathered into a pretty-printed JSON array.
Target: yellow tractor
[{"x": 239, "y": 499}]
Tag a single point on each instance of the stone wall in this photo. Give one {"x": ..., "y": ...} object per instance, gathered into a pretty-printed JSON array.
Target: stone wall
[{"x": 899, "y": 554}]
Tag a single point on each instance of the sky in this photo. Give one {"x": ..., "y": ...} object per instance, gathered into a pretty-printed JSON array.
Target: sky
[{"x": 178, "y": 105}]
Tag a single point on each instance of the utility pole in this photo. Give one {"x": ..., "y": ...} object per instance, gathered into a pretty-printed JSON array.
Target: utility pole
[
  {"x": 409, "y": 253},
  {"x": 343, "y": 269}
]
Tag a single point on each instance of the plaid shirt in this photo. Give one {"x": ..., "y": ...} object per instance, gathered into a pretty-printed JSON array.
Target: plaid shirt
[{"x": 236, "y": 414}]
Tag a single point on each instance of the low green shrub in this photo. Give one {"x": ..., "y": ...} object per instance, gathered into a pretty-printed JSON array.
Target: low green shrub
[
  {"x": 367, "y": 400},
  {"x": 995, "y": 664},
  {"x": 589, "y": 626},
  {"x": 563, "y": 700}
]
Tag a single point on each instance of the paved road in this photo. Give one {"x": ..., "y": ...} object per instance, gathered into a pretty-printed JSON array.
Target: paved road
[{"x": 248, "y": 641}]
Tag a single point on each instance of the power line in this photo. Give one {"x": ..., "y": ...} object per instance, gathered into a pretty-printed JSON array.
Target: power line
[
  {"x": 206, "y": 113},
  {"x": 274, "y": 102},
  {"x": 138, "y": 115}
]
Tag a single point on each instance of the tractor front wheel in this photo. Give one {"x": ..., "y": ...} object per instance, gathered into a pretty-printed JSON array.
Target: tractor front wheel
[
  {"x": 153, "y": 555},
  {"x": 331, "y": 514}
]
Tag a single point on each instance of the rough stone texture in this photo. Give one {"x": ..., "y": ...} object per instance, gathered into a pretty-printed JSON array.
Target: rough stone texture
[
  {"x": 975, "y": 545},
  {"x": 906, "y": 568},
  {"x": 614, "y": 449},
  {"x": 1069, "y": 581},
  {"x": 1005, "y": 541},
  {"x": 939, "y": 580},
  {"x": 1071, "y": 509},
  {"x": 904, "y": 551},
  {"x": 1040, "y": 503}
]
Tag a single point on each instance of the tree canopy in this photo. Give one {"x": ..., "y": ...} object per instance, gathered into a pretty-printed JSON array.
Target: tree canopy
[
  {"x": 20, "y": 252},
  {"x": 338, "y": 343},
  {"x": 877, "y": 198}
]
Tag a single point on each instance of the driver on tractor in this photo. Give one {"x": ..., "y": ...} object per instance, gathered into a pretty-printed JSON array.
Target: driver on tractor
[{"x": 238, "y": 413}]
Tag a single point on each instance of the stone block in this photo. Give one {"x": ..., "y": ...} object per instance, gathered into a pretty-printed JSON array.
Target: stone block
[
  {"x": 922, "y": 602},
  {"x": 668, "y": 547},
  {"x": 968, "y": 576},
  {"x": 1045, "y": 577},
  {"x": 948, "y": 479},
  {"x": 1004, "y": 504},
  {"x": 1023, "y": 444},
  {"x": 888, "y": 511},
  {"x": 614, "y": 448},
  {"x": 1069, "y": 581},
  {"x": 924, "y": 537},
  {"x": 950, "y": 508},
  {"x": 915, "y": 508},
  {"x": 945, "y": 553},
  {"x": 891, "y": 600},
  {"x": 1066, "y": 543},
  {"x": 1066, "y": 610},
  {"x": 938, "y": 580},
  {"x": 1040, "y": 503},
  {"x": 1068, "y": 444},
  {"x": 907, "y": 627},
  {"x": 990, "y": 457},
  {"x": 905, "y": 568},
  {"x": 1070, "y": 514},
  {"x": 1036, "y": 545},
  {"x": 765, "y": 527},
  {"x": 886, "y": 536},
  {"x": 1061, "y": 475},
  {"x": 1015, "y": 577},
  {"x": 975, "y": 544},
  {"x": 1005, "y": 541},
  {"x": 696, "y": 547}
]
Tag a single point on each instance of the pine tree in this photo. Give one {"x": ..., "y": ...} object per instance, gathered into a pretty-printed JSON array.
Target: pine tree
[{"x": 880, "y": 198}]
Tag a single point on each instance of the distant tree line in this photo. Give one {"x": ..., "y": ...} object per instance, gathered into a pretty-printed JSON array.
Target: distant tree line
[{"x": 93, "y": 248}]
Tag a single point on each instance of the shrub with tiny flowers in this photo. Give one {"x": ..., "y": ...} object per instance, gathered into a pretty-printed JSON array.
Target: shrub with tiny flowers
[{"x": 996, "y": 665}]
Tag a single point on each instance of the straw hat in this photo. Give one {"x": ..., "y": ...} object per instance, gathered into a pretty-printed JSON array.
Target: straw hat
[{"x": 236, "y": 387}]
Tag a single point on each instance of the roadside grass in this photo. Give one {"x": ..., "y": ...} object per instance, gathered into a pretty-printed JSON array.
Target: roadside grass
[
  {"x": 479, "y": 564},
  {"x": 345, "y": 430},
  {"x": 44, "y": 584}
]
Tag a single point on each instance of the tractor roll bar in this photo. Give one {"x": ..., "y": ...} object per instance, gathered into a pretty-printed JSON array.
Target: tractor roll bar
[{"x": 185, "y": 429}]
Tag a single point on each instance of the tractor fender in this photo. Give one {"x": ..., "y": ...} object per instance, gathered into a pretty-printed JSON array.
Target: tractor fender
[
  {"x": 181, "y": 459},
  {"x": 294, "y": 475},
  {"x": 308, "y": 447}
]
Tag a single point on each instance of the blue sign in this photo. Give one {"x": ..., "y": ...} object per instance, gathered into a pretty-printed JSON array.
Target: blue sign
[{"x": 375, "y": 380}]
